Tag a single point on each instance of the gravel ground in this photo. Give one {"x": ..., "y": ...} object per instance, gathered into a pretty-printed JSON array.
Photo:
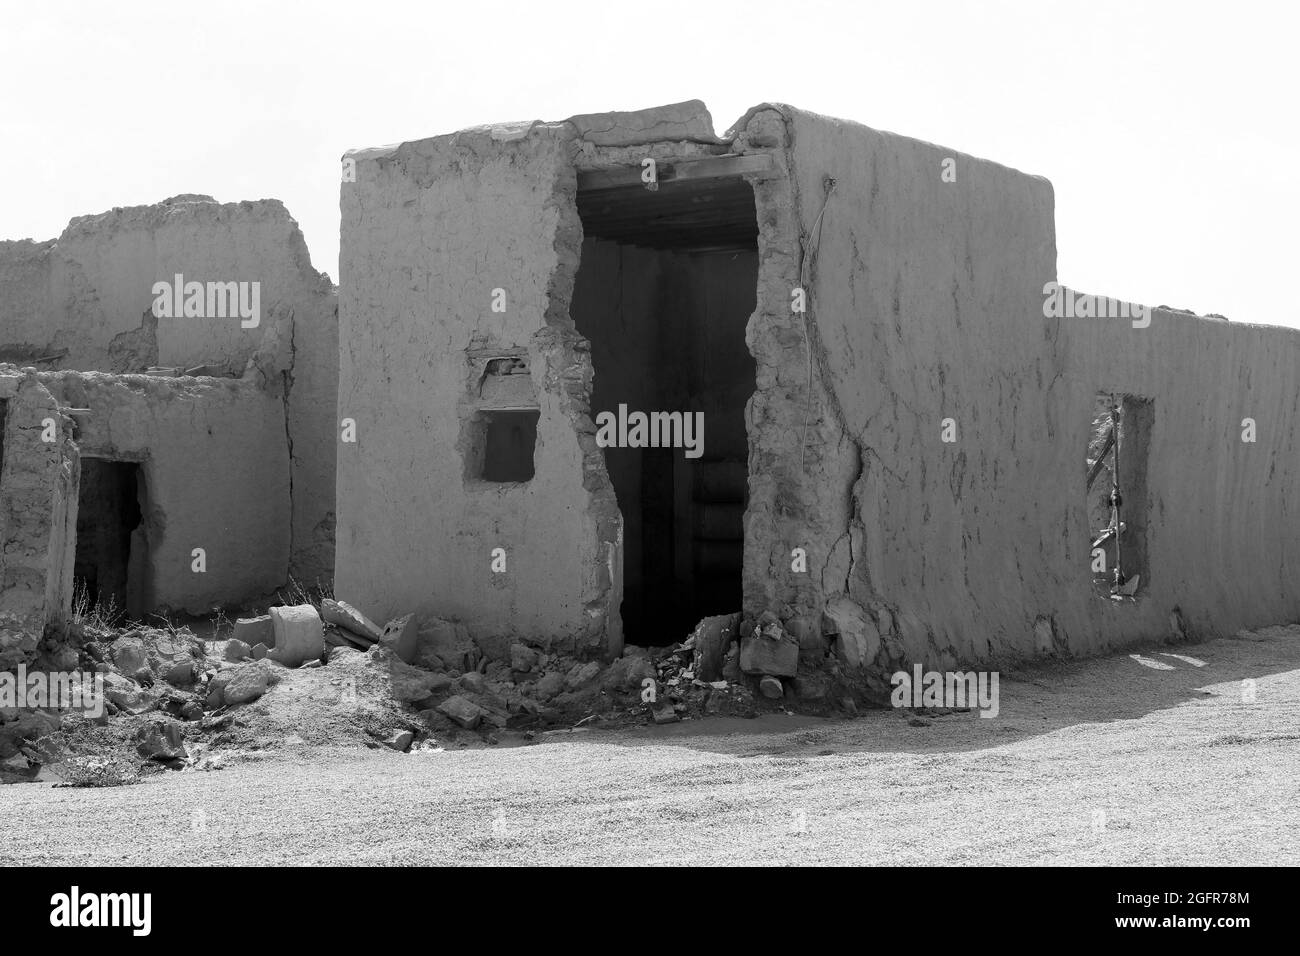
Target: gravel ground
[{"x": 1154, "y": 758}]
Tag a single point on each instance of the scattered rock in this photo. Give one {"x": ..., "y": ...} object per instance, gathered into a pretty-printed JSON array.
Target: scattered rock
[
  {"x": 126, "y": 695},
  {"x": 255, "y": 630},
  {"x": 582, "y": 675},
  {"x": 236, "y": 650},
  {"x": 523, "y": 658},
  {"x": 771, "y": 688},
  {"x": 731, "y": 671},
  {"x": 464, "y": 712},
  {"x": 191, "y": 710},
  {"x": 810, "y": 687},
  {"x": 857, "y": 639},
  {"x": 259, "y": 651},
  {"x": 400, "y": 741},
  {"x": 299, "y": 634},
  {"x": 410, "y": 684},
  {"x": 712, "y": 637},
  {"x": 130, "y": 656},
  {"x": 666, "y": 715},
  {"x": 402, "y": 637},
  {"x": 769, "y": 651},
  {"x": 344, "y": 615},
  {"x": 181, "y": 675},
  {"x": 474, "y": 682},
  {"x": 549, "y": 686},
  {"x": 247, "y": 682},
  {"x": 162, "y": 742}
]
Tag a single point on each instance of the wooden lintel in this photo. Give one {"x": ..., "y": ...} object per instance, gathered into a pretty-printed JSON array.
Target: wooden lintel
[{"x": 669, "y": 171}]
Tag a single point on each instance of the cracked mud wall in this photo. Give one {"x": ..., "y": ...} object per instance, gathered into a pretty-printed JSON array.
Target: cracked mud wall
[
  {"x": 38, "y": 515},
  {"x": 215, "y": 472},
  {"x": 430, "y": 229},
  {"x": 83, "y": 302},
  {"x": 1223, "y": 543},
  {"x": 924, "y": 304}
]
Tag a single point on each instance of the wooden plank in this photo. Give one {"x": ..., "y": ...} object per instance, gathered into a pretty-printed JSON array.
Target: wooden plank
[
  {"x": 707, "y": 167},
  {"x": 1101, "y": 457}
]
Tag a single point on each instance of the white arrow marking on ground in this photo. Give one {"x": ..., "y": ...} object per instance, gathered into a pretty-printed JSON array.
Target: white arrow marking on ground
[
  {"x": 1154, "y": 665},
  {"x": 1184, "y": 658}
]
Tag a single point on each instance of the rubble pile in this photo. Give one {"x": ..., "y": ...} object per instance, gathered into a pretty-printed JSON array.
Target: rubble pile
[{"x": 174, "y": 697}]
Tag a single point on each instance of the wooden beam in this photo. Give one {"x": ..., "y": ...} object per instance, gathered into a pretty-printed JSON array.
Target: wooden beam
[
  {"x": 1101, "y": 457},
  {"x": 706, "y": 167}
]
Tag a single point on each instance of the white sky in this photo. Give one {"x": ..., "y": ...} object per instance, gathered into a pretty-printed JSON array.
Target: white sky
[{"x": 1168, "y": 130}]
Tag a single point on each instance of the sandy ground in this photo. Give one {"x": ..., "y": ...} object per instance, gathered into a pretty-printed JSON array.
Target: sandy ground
[{"x": 1155, "y": 758}]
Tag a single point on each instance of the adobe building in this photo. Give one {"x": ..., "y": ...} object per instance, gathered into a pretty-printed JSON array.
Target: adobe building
[
  {"x": 898, "y": 427},
  {"x": 136, "y": 431}
]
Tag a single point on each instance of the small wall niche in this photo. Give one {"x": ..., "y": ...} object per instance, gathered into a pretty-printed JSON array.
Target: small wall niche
[{"x": 501, "y": 445}]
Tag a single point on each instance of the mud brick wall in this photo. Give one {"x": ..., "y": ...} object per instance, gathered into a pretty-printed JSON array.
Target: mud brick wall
[
  {"x": 86, "y": 298},
  {"x": 430, "y": 229},
  {"x": 38, "y": 514},
  {"x": 216, "y": 475}
]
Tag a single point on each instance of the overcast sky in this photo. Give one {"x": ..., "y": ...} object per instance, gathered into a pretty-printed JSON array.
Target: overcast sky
[{"x": 1168, "y": 130}]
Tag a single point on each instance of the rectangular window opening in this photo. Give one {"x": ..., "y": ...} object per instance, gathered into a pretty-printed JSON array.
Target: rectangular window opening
[
  {"x": 502, "y": 445},
  {"x": 1117, "y": 495}
]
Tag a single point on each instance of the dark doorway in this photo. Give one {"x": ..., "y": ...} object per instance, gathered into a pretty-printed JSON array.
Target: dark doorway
[
  {"x": 667, "y": 283},
  {"x": 108, "y": 527}
]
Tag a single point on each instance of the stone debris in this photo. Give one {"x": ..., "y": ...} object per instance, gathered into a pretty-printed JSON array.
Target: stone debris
[
  {"x": 131, "y": 658},
  {"x": 247, "y": 682},
  {"x": 400, "y": 741},
  {"x": 712, "y": 638},
  {"x": 771, "y": 688},
  {"x": 299, "y": 634},
  {"x": 259, "y": 651},
  {"x": 857, "y": 638},
  {"x": 236, "y": 650},
  {"x": 162, "y": 742},
  {"x": 463, "y": 711},
  {"x": 126, "y": 695},
  {"x": 402, "y": 637},
  {"x": 345, "y": 616},
  {"x": 255, "y": 630},
  {"x": 666, "y": 715},
  {"x": 769, "y": 650},
  {"x": 181, "y": 674}
]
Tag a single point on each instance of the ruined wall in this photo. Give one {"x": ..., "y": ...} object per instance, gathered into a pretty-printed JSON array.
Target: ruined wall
[
  {"x": 216, "y": 476},
  {"x": 926, "y": 304},
  {"x": 38, "y": 508},
  {"x": 1222, "y": 542},
  {"x": 83, "y": 302},
  {"x": 430, "y": 229}
]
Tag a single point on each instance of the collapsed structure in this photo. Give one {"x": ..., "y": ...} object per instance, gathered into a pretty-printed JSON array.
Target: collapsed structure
[
  {"x": 896, "y": 419},
  {"x": 898, "y": 456},
  {"x": 163, "y": 459}
]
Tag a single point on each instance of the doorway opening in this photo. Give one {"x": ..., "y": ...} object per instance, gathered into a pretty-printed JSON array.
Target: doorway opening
[
  {"x": 667, "y": 282},
  {"x": 110, "y": 536}
]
